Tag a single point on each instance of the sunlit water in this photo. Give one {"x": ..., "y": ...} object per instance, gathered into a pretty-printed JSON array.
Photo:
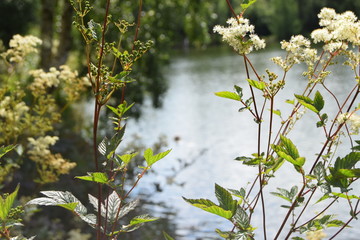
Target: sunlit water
[{"x": 207, "y": 132}]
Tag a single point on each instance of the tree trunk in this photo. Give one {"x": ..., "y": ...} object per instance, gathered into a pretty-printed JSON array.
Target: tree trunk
[
  {"x": 48, "y": 8},
  {"x": 65, "y": 38}
]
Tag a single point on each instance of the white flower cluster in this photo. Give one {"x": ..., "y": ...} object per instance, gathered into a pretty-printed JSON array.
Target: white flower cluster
[
  {"x": 73, "y": 84},
  {"x": 298, "y": 50},
  {"x": 12, "y": 111},
  {"x": 40, "y": 147},
  {"x": 315, "y": 235},
  {"x": 352, "y": 119},
  {"x": 338, "y": 30},
  {"x": 43, "y": 80},
  {"x": 240, "y": 35},
  {"x": 20, "y": 46}
]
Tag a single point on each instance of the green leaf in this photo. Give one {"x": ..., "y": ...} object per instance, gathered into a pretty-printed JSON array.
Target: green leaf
[
  {"x": 306, "y": 102},
  {"x": 6, "y": 204},
  {"x": 142, "y": 219},
  {"x": 150, "y": 158},
  {"x": 297, "y": 238},
  {"x": 247, "y": 3},
  {"x": 318, "y": 101},
  {"x": 229, "y": 235},
  {"x": 69, "y": 206},
  {"x": 257, "y": 84},
  {"x": 126, "y": 158},
  {"x": 289, "y": 147},
  {"x": 238, "y": 90},
  {"x": 249, "y": 160},
  {"x": 342, "y": 195},
  {"x": 348, "y": 173},
  {"x": 225, "y": 199},
  {"x": 348, "y": 161},
  {"x": 98, "y": 177},
  {"x": 209, "y": 206},
  {"x": 326, "y": 196},
  {"x": 277, "y": 112},
  {"x": 167, "y": 236},
  {"x": 107, "y": 148},
  {"x": 4, "y": 150},
  {"x": 228, "y": 95}
]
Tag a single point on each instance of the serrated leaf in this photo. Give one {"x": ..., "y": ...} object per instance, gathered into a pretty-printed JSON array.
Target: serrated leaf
[
  {"x": 209, "y": 206},
  {"x": 151, "y": 159},
  {"x": 348, "y": 161},
  {"x": 42, "y": 201},
  {"x": 94, "y": 202},
  {"x": 225, "y": 199},
  {"x": 99, "y": 177},
  {"x": 128, "y": 208},
  {"x": 318, "y": 101},
  {"x": 257, "y": 84},
  {"x": 6, "y": 204},
  {"x": 228, "y": 95},
  {"x": 113, "y": 203},
  {"x": 242, "y": 218}
]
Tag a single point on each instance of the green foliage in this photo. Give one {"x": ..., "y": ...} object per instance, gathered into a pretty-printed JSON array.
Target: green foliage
[
  {"x": 343, "y": 172},
  {"x": 98, "y": 177},
  {"x": 226, "y": 208},
  {"x": 315, "y": 105},
  {"x": 288, "y": 151},
  {"x": 150, "y": 158}
]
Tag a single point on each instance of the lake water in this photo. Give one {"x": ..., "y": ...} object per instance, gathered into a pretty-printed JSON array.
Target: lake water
[{"x": 206, "y": 133}]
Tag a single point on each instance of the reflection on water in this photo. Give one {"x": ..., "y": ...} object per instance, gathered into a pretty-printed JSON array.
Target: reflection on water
[{"x": 206, "y": 133}]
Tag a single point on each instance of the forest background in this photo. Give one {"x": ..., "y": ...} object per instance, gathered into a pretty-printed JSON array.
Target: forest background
[{"x": 171, "y": 24}]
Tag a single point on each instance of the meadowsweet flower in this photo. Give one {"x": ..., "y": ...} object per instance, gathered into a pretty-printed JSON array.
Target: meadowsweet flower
[
  {"x": 240, "y": 35},
  {"x": 40, "y": 147},
  {"x": 352, "y": 119},
  {"x": 49, "y": 165},
  {"x": 298, "y": 50},
  {"x": 339, "y": 30},
  {"x": 20, "y": 47},
  {"x": 12, "y": 111},
  {"x": 74, "y": 85},
  {"x": 44, "y": 80}
]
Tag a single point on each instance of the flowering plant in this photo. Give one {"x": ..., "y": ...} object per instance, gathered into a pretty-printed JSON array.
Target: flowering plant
[{"x": 329, "y": 172}]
